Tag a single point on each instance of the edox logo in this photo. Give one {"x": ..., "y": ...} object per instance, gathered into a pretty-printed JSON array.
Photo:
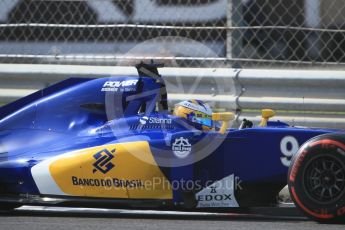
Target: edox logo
[{"x": 103, "y": 161}]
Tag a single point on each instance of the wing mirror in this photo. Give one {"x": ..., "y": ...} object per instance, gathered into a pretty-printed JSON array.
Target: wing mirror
[
  {"x": 266, "y": 115},
  {"x": 225, "y": 118}
]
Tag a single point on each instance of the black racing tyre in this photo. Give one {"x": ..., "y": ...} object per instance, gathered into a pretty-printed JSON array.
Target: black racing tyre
[{"x": 316, "y": 178}]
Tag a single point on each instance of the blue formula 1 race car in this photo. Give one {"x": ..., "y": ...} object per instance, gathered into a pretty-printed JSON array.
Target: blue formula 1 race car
[{"x": 111, "y": 142}]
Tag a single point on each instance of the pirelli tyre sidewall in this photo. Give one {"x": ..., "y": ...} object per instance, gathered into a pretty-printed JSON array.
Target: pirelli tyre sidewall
[{"x": 316, "y": 178}]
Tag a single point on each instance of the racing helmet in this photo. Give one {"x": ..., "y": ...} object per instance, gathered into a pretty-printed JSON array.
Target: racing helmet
[{"x": 198, "y": 113}]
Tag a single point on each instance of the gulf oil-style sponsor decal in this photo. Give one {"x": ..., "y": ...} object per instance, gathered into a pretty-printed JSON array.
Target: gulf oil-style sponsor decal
[
  {"x": 219, "y": 194},
  {"x": 123, "y": 170},
  {"x": 120, "y": 86}
]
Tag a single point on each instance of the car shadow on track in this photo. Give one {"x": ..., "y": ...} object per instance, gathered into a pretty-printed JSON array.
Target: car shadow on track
[{"x": 275, "y": 214}]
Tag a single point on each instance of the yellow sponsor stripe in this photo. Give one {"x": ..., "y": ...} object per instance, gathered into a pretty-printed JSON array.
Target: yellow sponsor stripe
[{"x": 126, "y": 170}]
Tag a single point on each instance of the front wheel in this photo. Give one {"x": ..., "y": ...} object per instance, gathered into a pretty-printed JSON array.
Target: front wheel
[{"x": 316, "y": 178}]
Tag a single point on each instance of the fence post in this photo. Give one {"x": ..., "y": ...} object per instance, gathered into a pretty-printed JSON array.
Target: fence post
[
  {"x": 312, "y": 19},
  {"x": 234, "y": 19}
]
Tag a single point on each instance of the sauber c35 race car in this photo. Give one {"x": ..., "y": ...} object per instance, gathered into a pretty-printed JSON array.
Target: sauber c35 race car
[{"x": 111, "y": 142}]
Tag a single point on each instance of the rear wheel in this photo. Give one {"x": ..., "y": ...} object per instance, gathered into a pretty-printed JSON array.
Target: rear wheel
[{"x": 316, "y": 178}]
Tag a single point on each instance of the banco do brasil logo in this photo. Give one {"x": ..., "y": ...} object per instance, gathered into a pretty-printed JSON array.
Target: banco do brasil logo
[{"x": 103, "y": 161}]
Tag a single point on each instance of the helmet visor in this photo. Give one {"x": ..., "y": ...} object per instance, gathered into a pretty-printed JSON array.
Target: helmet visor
[{"x": 205, "y": 121}]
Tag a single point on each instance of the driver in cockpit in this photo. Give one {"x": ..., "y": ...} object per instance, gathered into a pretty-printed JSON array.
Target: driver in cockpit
[{"x": 196, "y": 112}]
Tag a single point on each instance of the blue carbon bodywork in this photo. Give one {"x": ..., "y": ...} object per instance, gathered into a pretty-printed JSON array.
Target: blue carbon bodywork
[{"x": 82, "y": 113}]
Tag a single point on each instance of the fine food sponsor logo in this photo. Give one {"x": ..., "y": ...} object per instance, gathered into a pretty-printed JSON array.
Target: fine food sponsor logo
[{"x": 181, "y": 147}]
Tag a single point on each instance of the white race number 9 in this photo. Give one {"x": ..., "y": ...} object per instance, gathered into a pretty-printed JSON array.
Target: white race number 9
[{"x": 288, "y": 147}]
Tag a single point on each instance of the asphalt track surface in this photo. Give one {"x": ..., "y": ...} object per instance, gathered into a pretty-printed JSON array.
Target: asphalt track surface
[{"x": 103, "y": 219}]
